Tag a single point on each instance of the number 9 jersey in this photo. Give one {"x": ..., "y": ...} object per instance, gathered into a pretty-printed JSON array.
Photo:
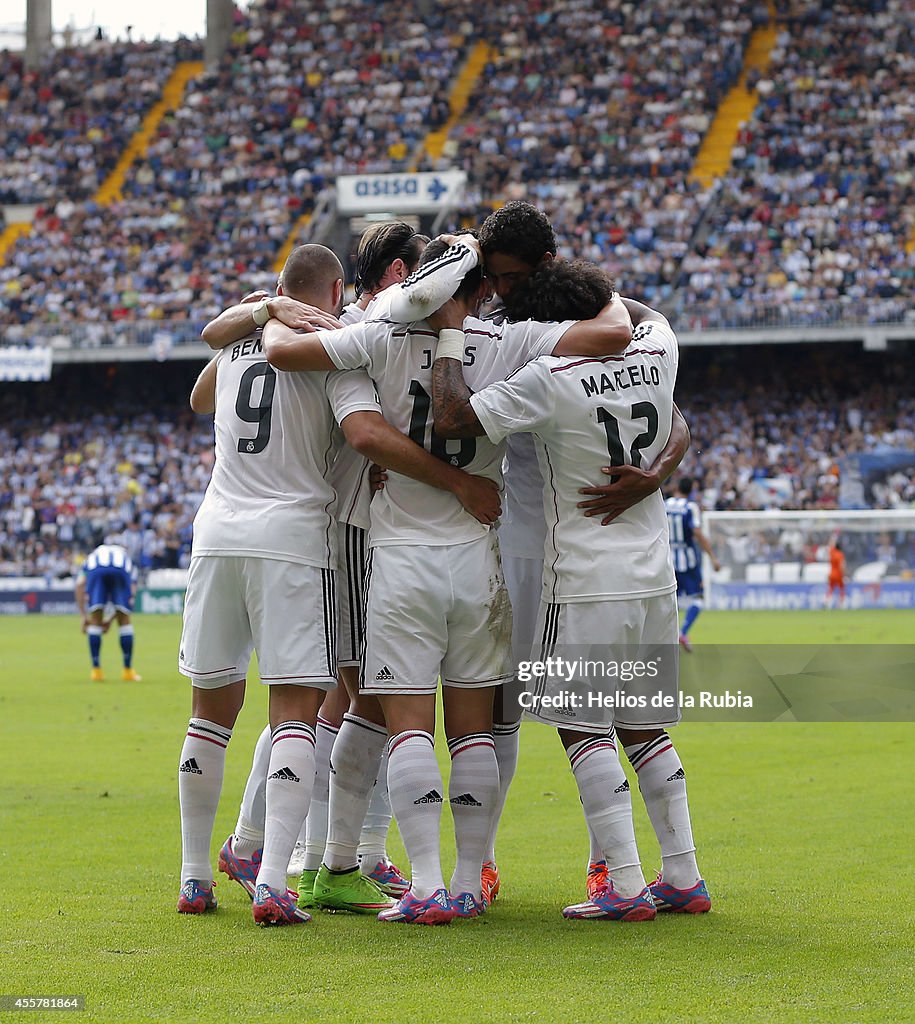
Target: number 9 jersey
[{"x": 276, "y": 438}]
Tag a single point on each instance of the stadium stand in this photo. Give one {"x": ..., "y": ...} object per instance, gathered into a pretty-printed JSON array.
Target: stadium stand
[
  {"x": 810, "y": 226},
  {"x": 65, "y": 125},
  {"x": 596, "y": 111},
  {"x": 301, "y": 96},
  {"x": 100, "y": 454}
]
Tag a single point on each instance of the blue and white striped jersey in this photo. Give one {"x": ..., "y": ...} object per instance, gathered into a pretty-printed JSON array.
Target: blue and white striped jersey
[
  {"x": 109, "y": 556},
  {"x": 683, "y": 517}
]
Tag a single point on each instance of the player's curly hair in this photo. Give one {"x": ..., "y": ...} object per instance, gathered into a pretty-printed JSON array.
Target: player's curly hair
[
  {"x": 520, "y": 230},
  {"x": 560, "y": 290},
  {"x": 379, "y": 246},
  {"x": 472, "y": 280}
]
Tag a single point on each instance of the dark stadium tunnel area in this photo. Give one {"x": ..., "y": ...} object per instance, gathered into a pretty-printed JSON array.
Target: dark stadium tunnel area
[{"x": 708, "y": 375}]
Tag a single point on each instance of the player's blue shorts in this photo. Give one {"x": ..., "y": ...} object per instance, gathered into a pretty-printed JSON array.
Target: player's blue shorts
[
  {"x": 689, "y": 583},
  {"x": 109, "y": 584}
]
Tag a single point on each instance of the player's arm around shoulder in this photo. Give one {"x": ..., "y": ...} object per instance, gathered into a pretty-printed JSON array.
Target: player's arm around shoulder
[
  {"x": 254, "y": 310},
  {"x": 432, "y": 284},
  {"x": 288, "y": 349},
  {"x": 607, "y": 334}
]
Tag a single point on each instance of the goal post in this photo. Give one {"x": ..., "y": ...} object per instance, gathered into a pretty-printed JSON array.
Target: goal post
[{"x": 779, "y": 559}]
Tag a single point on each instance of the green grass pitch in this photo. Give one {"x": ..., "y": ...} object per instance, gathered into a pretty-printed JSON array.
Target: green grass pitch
[{"x": 804, "y": 833}]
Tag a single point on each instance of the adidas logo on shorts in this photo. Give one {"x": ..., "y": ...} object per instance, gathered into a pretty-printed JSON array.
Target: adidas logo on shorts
[
  {"x": 677, "y": 775},
  {"x": 432, "y": 797},
  {"x": 190, "y": 765},
  {"x": 624, "y": 788},
  {"x": 285, "y": 775},
  {"x": 385, "y": 675}
]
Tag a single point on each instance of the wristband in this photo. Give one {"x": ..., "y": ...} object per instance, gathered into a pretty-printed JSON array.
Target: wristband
[
  {"x": 450, "y": 345},
  {"x": 261, "y": 313}
]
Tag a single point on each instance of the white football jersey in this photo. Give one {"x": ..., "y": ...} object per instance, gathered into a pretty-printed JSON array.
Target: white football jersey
[
  {"x": 522, "y": 529},
  {"x": 349, "y": 474},
  {"x": 585, "y": 414},
  {"x": 276, "y": 438},
  {"x": 399, "y": 359}
]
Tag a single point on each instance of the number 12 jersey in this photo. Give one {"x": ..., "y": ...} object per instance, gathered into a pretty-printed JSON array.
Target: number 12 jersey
[{"x": 585, "y": 414}]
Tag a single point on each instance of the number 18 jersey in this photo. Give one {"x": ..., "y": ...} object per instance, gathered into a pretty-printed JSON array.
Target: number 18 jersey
[
  {"x": 276, "y": 437},
  {"x": 399, "y": 359},
  {"x": 584, "y": 414}
]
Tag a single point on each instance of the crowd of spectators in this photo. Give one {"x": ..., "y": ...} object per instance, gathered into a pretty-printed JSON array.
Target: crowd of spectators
[
  {"x": 811, "y": 223},
  {"x": 71, "y": 476},
  {"x": 773, "y": 433},
  {"x": 594, "y": 109},
  {"x": 784, "y": 429},
  {"x": 303, "y": 93},
  {"x": 66, "y": 123}
]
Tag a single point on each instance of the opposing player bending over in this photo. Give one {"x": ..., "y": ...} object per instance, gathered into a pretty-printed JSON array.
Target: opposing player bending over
[
  {"x": 261, "y": 577},
  {"x": 686, "y": 541},
  {"x": 600, "y": 586},
  {"x": 107, "y": 577},
  {"x": 436, "y": 600}
]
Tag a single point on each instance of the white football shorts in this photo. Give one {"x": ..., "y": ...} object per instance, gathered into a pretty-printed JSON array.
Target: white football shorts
[
  {"x": 524, "y": 579},
  {"x": 353, "y": 548},
  {"x": 434, "y": 611},
  {"x": 285, "y": 611},
  {"x": 613, "y": 663}
]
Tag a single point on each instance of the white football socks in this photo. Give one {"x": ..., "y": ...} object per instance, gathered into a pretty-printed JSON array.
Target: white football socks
[
  {"x": 605, "y": 798},
  {"x": 315, "y": 827},
  {"x": 249, "y": 829},
  {"x": 473, "y": 790},
  {"x": 415, "y": 787},
  {"x": 373, "y": 839},
  {"x": 290, "y": 781},
  {"x": 200, "y": 771},
  {"x": 662, "y": 782},
  {"x": 353, "y": 769},
  {"x": 505, "y": 738}
]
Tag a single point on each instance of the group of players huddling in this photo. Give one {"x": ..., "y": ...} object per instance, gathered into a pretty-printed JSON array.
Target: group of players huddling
[{"x": 565, "y": 385}]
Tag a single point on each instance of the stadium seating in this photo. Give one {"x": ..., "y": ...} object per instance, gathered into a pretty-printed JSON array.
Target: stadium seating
[
  {"x": 811, "y": 224},
  {"x": 65, "y": 125},
  {"x": 301, "y": 96},
  {"x": 595, "y": 111}
]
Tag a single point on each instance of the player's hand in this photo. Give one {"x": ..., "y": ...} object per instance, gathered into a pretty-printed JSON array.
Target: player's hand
[
  {"x": 480, "y": 497},
  {"x": 465, "y": 239},
  {"x": 257, "y": 296},
  {"x": 628, "y": 488},
  {"x": 85, "y": 624},
  {"x": 299, "y": 316},
  {"x": 716, "y": 565},
  {"x": 450, "y": 316},
  {"x": 377, "y": 476}
]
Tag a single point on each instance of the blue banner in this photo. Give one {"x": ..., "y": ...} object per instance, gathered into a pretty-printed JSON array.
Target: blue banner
[{"x": 807, "y": 596}]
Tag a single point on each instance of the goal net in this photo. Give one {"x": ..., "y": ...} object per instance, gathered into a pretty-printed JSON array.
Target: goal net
[{"x": 780, "y": 560}]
